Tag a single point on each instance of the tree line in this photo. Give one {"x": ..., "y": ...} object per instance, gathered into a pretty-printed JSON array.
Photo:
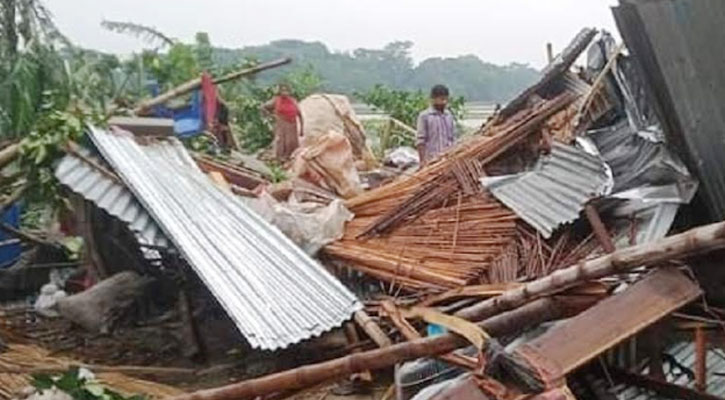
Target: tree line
[{"x": 392, "y": 66}]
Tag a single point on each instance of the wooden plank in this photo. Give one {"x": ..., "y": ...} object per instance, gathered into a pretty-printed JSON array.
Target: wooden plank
[
  {"x": 142, "y": 126},
  {"x": 579, "y": 340}
]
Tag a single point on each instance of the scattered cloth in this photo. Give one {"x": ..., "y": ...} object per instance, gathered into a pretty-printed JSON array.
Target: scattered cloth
[{"x": 46, "y": 304}]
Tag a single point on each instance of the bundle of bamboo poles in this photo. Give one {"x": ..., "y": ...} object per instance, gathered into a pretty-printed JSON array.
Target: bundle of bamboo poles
[
  {"x": 445, "y": 248},
  {"x": 20, "y": 361},
  {"x": 457, "y": 170},
  {"x": 438, "y": 229}
]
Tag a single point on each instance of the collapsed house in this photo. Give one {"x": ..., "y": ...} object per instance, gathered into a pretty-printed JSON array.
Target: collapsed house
[{"x": 559, "y": 229}]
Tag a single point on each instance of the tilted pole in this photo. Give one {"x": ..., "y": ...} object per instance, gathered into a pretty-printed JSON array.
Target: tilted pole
[{"x": 196, "y": 84}]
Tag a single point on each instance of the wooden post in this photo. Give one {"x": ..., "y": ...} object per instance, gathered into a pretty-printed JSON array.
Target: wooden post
[
  {"x": 188, "y": 327},
  {"x": 600, "y": 231},
  {"x": 353, "y": 339},
  {"x": 700, "y": 359},
  {"x": 695, "y": 241},
  {"x": 549, "y": 52},
  {"x": 195, "y": 83},
  {"x": 654, "y": 344}
]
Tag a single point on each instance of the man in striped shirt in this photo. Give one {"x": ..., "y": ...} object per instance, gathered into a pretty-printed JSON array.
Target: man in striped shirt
[{"x": 436, "y": 126}]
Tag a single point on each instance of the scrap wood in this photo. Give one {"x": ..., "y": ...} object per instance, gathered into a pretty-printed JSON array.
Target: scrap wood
[
  {"x": 596, "y": 86},
  {"x": 561, "y": 63},
  {"x": 575, "y": 342},
  {"x": 234, "y": 174},
  {"x": 698, "y": 240},
  {"x": 29, "y": 357},
  {"x": 309, "y": 375},
  {"x": 372, "y": 329},
  {"x": 398, "y": 318}
]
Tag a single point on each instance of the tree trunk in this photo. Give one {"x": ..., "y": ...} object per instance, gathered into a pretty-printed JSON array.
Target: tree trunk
[
  {"x": 695, "y": 241},
  {"x": 522, "y": 318}
]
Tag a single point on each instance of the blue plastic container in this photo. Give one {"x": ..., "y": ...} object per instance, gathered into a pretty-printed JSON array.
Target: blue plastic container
[{"x": 10, "y": 247}]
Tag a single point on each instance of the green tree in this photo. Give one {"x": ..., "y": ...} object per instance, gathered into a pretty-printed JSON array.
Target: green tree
[
  {"x": 361, "y": 69},
  {"x": 403, "y": 106}
]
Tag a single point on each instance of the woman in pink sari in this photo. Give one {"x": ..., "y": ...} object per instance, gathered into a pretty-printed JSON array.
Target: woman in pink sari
[{"x": 286, "y": 114}]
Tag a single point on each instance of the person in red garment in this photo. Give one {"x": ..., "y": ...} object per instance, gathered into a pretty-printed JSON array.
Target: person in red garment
[{"x": 288, "y": 125}]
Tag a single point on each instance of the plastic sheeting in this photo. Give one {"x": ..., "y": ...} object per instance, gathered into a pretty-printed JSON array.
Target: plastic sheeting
[
  {"x": 403, "y": 157},
  {"x": 324, "y": 112},
  {"x": 328, "y": 162},
  {"x": 310, "y": 225}
]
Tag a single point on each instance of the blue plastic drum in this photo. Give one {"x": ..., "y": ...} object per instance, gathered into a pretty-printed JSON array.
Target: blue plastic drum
[{"x": 10, "y": 248}]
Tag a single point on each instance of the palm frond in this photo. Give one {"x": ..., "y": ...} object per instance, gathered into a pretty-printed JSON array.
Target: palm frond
[{"x": 147, "y": 33}]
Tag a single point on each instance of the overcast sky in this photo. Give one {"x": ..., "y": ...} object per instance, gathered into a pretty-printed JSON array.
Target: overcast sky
[{"x": 498, "y": 31}]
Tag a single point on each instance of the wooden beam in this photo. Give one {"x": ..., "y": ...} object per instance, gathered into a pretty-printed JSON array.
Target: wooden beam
[{"x": 599, "y": 229}]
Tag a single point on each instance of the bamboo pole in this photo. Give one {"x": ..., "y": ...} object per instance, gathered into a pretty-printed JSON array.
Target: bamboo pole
[
  {"x": 12, "y": 198},
  {"x": 8, "y": 154},
  {"x": 695, "y": 241},
  {"x": 521, "y": 318},
  {"x": 372, "y": 329},
  {"x": 195, "y": 83}
]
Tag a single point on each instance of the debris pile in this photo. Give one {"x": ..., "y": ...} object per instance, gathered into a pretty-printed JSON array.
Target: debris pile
[{"x": 558, "y": 253}]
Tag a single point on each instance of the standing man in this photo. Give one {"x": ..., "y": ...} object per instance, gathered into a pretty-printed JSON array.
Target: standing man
[{"x": 436, "y": 126}]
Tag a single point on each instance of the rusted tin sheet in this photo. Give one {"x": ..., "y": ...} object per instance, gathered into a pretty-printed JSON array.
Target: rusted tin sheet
[{"x": 575, "y": 342}]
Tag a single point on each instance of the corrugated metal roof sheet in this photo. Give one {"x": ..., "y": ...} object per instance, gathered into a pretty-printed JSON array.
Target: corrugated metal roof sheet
[
  {"x": 85, "y": 180},
  {"x": 684, "y": 353},
  {"x": 275, "y": 293},
  {"x": 678, "y": 46},
  {"x": 555, "y": 190}
]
